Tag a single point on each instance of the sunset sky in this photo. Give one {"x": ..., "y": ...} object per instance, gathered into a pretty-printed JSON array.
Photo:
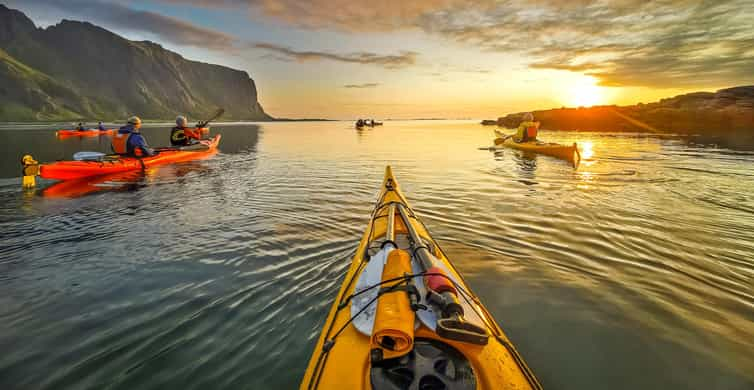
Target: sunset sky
[{"x": 442, "y": 58}]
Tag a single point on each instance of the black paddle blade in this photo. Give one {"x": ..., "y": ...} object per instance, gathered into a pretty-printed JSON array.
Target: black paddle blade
[{"x": 217, "y": 114}]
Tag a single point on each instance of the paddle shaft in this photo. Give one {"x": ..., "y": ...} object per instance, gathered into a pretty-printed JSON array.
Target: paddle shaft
[
  {"x": 446, "y": 300},
  {"x": 442, "y": 293},
  {"x": 218, "y": 113}
]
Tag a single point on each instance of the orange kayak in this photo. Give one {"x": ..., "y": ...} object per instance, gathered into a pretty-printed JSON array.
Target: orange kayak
[
  {"x": 69, "y": 170},
  {"x": 83, "y": 133}
]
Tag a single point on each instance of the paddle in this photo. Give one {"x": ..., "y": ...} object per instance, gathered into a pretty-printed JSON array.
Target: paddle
[
  {"x": 88, "y": 156},
  {"x": 500, "y": 141},
  {"x": 217, "y": 114},
  {"x": 442, "y": 294}
]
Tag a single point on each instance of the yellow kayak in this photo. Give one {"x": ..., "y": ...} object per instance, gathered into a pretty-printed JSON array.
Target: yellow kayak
[
  {"x": 404, "y": 317},
  {"x": 565, "y": 152}
]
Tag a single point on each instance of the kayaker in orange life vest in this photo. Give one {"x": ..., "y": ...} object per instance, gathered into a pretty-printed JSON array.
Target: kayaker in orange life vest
[
  {"x": 180, "y": 135},
  {"x": 129, "y": 141},
  {"x": 527, "y": 130}
]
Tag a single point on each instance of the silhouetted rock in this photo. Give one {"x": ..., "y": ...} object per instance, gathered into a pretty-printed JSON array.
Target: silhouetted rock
[
  {"x": 728, "y": 111},
  {"x": 78, "y": 70}
]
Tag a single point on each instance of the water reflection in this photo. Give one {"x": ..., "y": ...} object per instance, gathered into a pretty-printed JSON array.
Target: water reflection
[
  {"x": 642, "y": 253},
  {"x": 585, "y": 149},
  {"x": 126, "y": 181}
]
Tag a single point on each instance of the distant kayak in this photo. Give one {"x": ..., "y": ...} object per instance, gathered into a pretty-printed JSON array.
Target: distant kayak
[
  {"x": 68, "y": 170},
  {"x": 566, "y": 152},
  {"x": 83, "y": 133},
  {"x": 406, "y": 319}
]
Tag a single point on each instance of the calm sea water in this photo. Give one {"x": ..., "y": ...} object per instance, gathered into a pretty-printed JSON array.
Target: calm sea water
[{"x": 635, "y": 270}]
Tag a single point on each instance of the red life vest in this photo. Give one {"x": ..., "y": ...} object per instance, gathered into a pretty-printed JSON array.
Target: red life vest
[
  {"x": 531, "y": 132},
  {"x": 120, "y": 143}
]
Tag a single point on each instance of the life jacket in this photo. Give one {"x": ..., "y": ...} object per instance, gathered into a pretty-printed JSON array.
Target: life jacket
[
  {"x": 529, "y": 131},
  {"x": 184, "y": 135},
  {"x": 178, "y": 136},
  {"x": 120, "y": 143}
]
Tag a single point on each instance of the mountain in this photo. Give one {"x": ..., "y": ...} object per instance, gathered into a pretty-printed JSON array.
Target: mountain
[
  {"x": 727, "y": 112},
  {"x": 76, "y": 70}
]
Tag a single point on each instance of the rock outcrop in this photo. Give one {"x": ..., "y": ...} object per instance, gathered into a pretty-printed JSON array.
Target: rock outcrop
[
  {"x": 725, "y": 112},
  {"x": 76, "y": 70}
]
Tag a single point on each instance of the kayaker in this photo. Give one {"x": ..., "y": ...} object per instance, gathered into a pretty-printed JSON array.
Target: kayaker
[
  {"x": 180, "y": 135},
  {"x": 527, "y": 130},
  {"x": 129, "y": 141},
  {"x": 101, "y": 127},
  {"x": 80, "y": 127}
]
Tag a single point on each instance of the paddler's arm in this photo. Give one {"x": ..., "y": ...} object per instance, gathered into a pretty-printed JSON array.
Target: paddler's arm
[
  {"x": 193, "y": 133},
  {"x": 141, "y": 143}
]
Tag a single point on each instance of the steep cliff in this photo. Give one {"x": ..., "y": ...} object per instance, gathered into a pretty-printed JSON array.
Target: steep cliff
[
  {"x": 78, "y": 70},
  {"x": 725, "y": 112}
]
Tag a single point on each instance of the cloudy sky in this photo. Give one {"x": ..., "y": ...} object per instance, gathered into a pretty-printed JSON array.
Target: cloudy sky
[{"x": 442, "y": 58}]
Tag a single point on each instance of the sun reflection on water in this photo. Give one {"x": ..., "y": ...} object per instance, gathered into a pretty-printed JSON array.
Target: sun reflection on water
[{"x": 585, "y": 148}]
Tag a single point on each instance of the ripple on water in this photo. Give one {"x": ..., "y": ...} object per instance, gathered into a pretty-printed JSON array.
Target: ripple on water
[{"x": 219, "y": 273}]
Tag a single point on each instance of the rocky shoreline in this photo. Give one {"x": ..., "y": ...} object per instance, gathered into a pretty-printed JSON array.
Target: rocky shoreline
[{"x": 727, "y": 112}]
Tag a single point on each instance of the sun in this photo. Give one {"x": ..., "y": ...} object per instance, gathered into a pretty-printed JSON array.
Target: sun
[{"x": 585, "y": 93}]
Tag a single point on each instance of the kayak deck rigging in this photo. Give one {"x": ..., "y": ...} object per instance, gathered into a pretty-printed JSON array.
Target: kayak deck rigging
[{"x": 346, "y": 357}]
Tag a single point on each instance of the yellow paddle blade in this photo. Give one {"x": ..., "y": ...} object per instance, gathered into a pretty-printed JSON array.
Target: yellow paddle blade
[{"x": 499, "y": 141}]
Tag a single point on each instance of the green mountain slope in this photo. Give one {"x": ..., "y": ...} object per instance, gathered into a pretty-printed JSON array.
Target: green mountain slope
[{"x": 76, "y": 70}]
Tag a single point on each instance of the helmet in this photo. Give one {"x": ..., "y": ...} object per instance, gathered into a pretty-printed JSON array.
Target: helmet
[
  {"x": 181, "y": 121},
  {"x": 528, "y": 117},
  {"x": 134, "y": 120},
  {"x": 27, "y": 159}
]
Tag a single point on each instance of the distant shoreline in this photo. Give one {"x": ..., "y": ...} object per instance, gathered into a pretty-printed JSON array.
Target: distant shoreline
[{"x": 727, "y": 112}]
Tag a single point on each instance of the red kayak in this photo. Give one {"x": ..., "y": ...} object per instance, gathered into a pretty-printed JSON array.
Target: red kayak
[
  {"x": 68, "y": 170},
  {"x": 83, "y": 133}
]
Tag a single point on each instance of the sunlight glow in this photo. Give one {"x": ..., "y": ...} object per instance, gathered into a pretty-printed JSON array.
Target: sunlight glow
[
  {"x": 586, "y": 93},
  {"x": 585, "y": 148}
]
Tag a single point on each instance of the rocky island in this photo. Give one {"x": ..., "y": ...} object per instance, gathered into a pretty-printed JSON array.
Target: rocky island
[
  {"x": 78, "y": 71},
  {"x": 726, "y": 113}
]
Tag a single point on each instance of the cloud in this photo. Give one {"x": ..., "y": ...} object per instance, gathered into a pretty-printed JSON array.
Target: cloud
[
  {"x": 621, "y": 43},
  {"x": 673, "y": 43},
  {"x": 405, "y": 58},
  {"x": 343, "y": 15},
  {"x": 669, "y": 43},
  {"x": 365, "y": 85},
  {"x": 117, "y": 16},
  {"x": 183, "y": 33}
]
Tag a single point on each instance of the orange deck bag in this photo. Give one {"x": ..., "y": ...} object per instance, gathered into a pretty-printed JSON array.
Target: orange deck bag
[{"x": 394, "y": 322}]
